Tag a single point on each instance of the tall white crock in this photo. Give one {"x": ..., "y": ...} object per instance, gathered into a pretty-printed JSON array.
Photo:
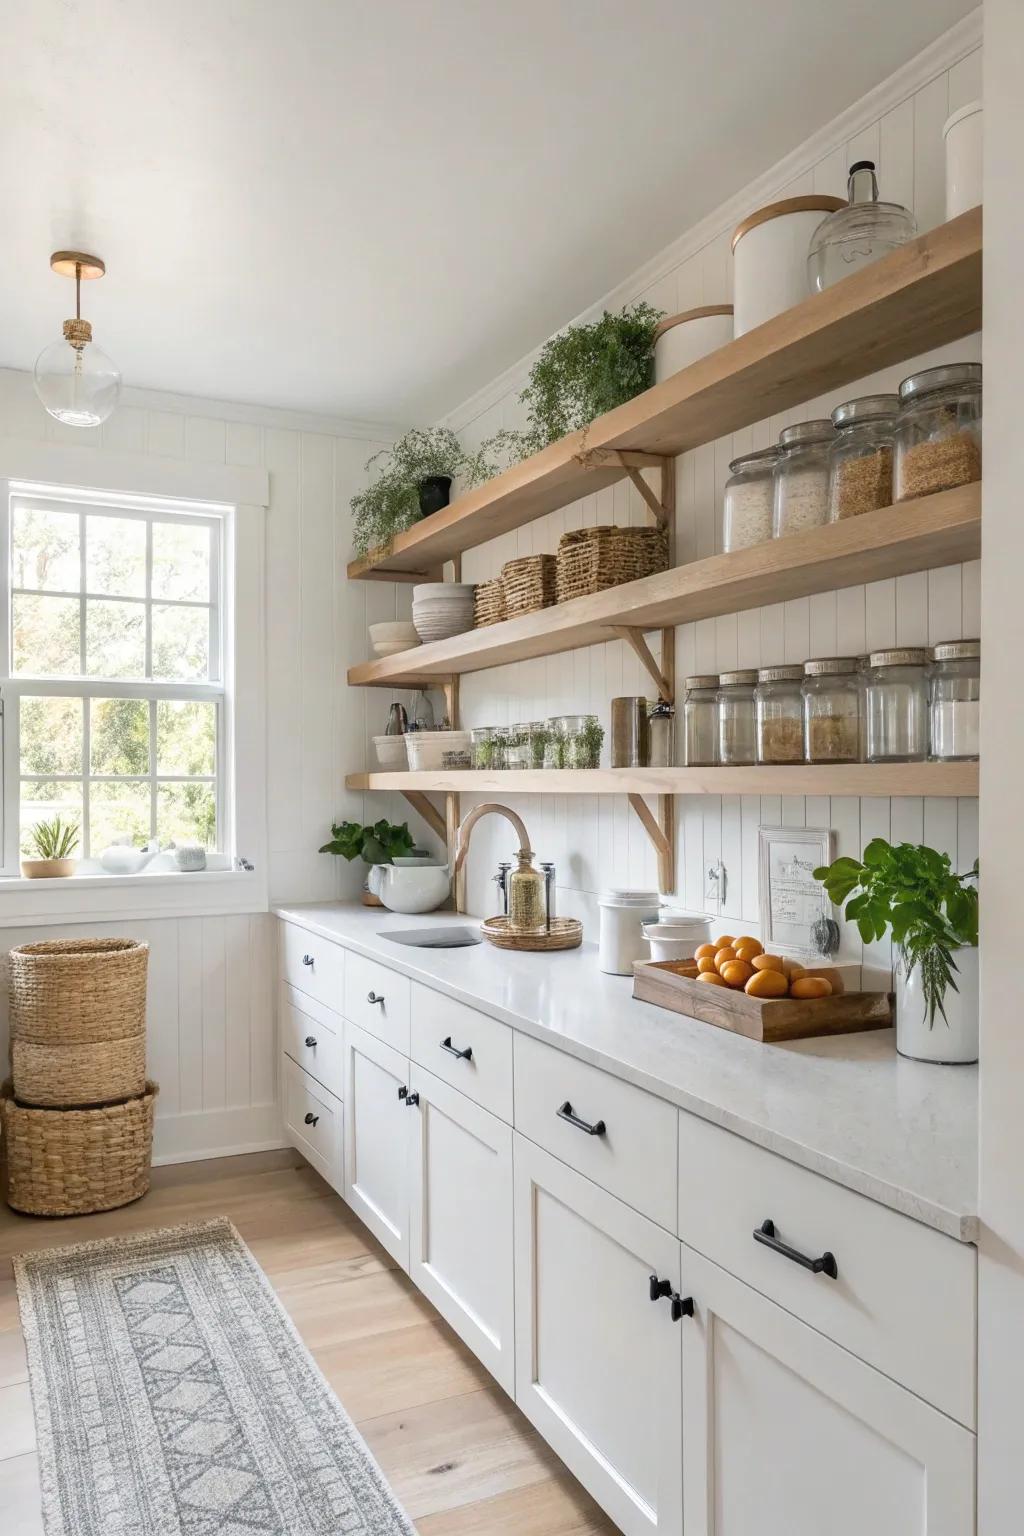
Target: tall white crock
[
  {"x": 950, "y": 1039},
  {"x": 962, "y": 135}
]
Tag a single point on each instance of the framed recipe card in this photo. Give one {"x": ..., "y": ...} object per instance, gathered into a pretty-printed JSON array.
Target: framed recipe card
[{"x": 791, "y": 900}]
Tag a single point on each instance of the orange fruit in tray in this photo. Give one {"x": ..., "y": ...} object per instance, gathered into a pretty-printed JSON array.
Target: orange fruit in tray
[
  {"x": 723, "y": 956},
  {"x": 725, "y": 941},
  {"x": 767, "y": 983},
  {"x": 769, "y": 963},
  {"x": 793, "y": 969},
  {"x": 736, "y": 973},
  {"x": 810, "y": 986},
  {"x": 713, "y": 977},
  {"x": 705, "y": 951},
  {"x": 706, "y": 965},
  {"x": 747, "y": 949}
]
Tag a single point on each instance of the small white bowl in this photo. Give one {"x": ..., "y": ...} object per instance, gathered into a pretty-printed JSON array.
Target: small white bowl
[
  {"x": 391, "y": 753},
  {"x": 676, "y": 941},
  {"x": 394, "y": 630},
  {"x": 389, "y": 648}
]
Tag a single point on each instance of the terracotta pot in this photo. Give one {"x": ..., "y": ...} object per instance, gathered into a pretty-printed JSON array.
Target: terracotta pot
[{"x": 47, "y": 869}]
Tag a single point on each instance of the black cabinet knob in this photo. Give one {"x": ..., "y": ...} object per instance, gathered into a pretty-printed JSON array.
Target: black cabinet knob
[
  {"x": 411, "y": 1099},
  {"x": 307, "y": 959},
  {"x": 373, "y": 997},
  {"x": 311, "y": 1119},
  {"x": 311, "y": 1041},
  {"x": 682, "y": 1306},
  {"x": 660, "y": 1288}
]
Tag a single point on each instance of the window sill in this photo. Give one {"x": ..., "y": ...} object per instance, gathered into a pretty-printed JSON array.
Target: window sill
[{"x": 119, "y": 898}]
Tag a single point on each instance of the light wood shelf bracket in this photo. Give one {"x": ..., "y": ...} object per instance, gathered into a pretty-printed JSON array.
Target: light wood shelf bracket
[
  {"x": 660, "y": 829},
  {"x": 429, "y": 811},
  {"x": 635, "y": 638}
]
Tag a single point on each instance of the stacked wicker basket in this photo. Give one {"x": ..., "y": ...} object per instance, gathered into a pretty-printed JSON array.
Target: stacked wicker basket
[
  {"x": 78, "y": 1110},
  {"x": 588, "y": 561}
]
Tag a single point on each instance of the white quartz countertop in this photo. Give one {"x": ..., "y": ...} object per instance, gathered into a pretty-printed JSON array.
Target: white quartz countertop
[{"x": 902, "y": 1132}]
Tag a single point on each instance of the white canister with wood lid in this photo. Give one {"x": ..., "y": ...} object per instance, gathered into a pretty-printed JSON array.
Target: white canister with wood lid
[
  {"x": 769, "y": 253},
  {"x": 962, "y": 136},
  {"x": 683, "y": 339}
]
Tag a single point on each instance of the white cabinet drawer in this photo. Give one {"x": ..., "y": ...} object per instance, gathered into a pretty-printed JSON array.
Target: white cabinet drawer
[
  {"x": 313, "y": 1119},
  {"x": 904, "y": 1297},
  {"x": 378, "y": 1000},
  {"x": 464, "y": 1048},
  {"x": 311, "y": 1036},
  {"x": 634, "y": 1156},
  {"x": 312, "y": 964}
]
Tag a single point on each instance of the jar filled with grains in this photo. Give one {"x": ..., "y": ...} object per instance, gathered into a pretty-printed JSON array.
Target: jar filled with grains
[
  {"x": 700, "y": 720},
  {"x": 779, "y": 711},
  {"x": 860, "y": 458},
  {"x": 938, "y": 434},
  {"x": 897, "y": 705},
  {"x": 831, "y": 695},
  {"x": 801, "y": 478},
  {"x": 748, "y": 500},
  {"x": 737, "y": 728},
  {"x": 955, "y": 700}
]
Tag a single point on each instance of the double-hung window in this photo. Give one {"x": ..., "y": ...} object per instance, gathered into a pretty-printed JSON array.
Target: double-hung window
[{"x": 113, "y": 669}]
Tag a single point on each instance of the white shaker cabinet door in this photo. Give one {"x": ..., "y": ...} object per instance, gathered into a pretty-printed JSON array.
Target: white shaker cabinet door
[
  {"x": 378, "y": 1129},
  {"x": 461, "y": 1219},
  {"x": 597, "y": 1362},
  {"x": 787, "y": 1434}
]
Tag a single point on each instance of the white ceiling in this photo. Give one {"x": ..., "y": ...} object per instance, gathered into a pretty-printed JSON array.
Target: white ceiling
[{"x": 371, "y": 207}]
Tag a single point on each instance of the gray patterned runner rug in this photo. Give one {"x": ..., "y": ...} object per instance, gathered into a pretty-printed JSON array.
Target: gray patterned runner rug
[{"x": 173, "y": 1397}]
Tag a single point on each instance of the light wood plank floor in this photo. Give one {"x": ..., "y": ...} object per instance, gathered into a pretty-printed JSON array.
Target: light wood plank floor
[{"x": 459, "y": 1455}]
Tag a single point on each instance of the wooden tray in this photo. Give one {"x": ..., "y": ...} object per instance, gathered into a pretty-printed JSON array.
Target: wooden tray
[{"x": 766, "y": 1019}]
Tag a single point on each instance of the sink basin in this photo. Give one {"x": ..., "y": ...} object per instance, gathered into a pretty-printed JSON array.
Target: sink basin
[{"x": 433, "y": 938}]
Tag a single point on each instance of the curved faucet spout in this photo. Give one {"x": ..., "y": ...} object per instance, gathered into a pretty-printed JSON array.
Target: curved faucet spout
[{"x": 465, "y": 830}]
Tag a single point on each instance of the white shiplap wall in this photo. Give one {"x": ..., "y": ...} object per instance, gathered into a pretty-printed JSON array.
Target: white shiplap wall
[{"x": 597, "y": 841}]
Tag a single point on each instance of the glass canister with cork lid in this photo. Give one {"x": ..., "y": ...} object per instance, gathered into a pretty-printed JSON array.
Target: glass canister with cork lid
[
  {"x": 748, "y": 500},
  {"x": 801, "y": 478},
  {"x": 896, "y": 696},
  {"x": 938, "y": 441},
  {"x": 955, "y": 700},
  {"x": 737, "y": 730},
  {"x": 779, "y": 709},
  {"x": 700, "y": 720},
  {"x": 861, "y": 455},
  {"x": 831, "y": 695}
]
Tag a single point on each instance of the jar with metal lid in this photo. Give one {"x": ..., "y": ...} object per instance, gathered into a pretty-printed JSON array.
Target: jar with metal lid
[
  {"x": 938, "y": 435},
  {"x": 555, "y": 743},
  {"x": 800, "y": 478},
  {"x": 518, "y": 755},
  {"x": 897, "y": 705},
  {"x": 748, "y": 500},
  {"x": 737, "y": 730},
  {"x": 585, "y": 742},
  {"x": 779, "y": 713},
  {"x": 955, "y": 700},
  {"x": 831, "y": 695},
  {"x": 481, "y": 746},
  {"x": 660, "y": 729},
  {"x": 860, "y": 458},
  {"x": 700, "y": 720}
]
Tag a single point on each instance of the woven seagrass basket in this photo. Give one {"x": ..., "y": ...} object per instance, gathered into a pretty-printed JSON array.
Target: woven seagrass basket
[
  {"x": 79, "y": 1075},
  {"x": 78, "y": 991},
  {"x": 529, "y": 584},
  {"x": 68, "y": 1162},
  {"x": 488, "y": 603},
  {"x": 592, "y": 559}
]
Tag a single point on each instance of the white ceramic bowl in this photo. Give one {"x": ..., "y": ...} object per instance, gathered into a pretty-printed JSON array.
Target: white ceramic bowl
[
  {"x": 426, "y": 749},
  {"x": 407, "y": 889},
  {"x": 441, "y": 624},
  {"x": 393, "y": 632},
  {"x": 391, "y": 754},
  {"x": 444, "y": 591},
  {"x": 389, "y": 648},
  {"x": 676, "y": 940}
]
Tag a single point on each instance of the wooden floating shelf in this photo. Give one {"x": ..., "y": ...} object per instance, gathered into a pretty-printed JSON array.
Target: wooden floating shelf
[
  {"x": 921, "y": 296},
  {"x": 916, "y": 535},
  {"x": 868, "y": 780}
]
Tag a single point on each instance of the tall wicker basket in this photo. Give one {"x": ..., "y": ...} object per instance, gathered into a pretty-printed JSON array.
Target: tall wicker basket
[{"x": 69, "y": 1162}]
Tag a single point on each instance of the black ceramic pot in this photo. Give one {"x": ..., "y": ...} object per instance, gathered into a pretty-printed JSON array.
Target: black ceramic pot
[{"x": 434, "y": 493}]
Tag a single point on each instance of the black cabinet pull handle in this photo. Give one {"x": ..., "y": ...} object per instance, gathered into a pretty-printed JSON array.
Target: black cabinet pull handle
[
  {"x": 307, "y": 959},
  {"x": 403, "y": 1091},
  {"x": 311, "y": 1119},
  {"x": 826, "y": 1265},
  {"x": 453, "y": 1050},
  {"x": 411, "y": 1099},
  {"x": 566, "y": 1113},
  {"x": 660, "y": 1288},
  {"x": 311, "y": 1041},
  {"x": 682, "y": 1306},
  {"x": 372, "y": 997}
]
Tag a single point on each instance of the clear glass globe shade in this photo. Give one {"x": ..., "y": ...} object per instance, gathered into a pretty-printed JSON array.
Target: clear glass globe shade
[{"x": 79, "y": 386}]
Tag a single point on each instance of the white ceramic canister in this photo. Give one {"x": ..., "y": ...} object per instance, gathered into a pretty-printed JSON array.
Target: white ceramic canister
[
  {"x": 950, "y": 1039},
  {"x": 677, "y": 935},
  {"x": 623, "y": 915},
  {"x": 681, "y": 339},
  {"x": 962, "y": 133},
  {"x": 769, "y": 254}
]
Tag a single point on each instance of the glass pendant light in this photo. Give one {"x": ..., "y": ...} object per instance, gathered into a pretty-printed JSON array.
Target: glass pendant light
[{"x": 75, "y": 380}]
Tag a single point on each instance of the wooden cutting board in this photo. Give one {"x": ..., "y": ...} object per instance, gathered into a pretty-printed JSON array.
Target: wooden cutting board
[{"x": 769, "y": 1020}]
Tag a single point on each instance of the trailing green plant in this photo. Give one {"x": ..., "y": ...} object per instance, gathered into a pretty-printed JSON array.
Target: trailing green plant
[
  {"x": 584, "y": 371},
  {"x": 391, "y": 503},
  {"x": 380, "y": 844},
  {"x": 56, "y": 839},
  {"x": 914, "y": 892}
]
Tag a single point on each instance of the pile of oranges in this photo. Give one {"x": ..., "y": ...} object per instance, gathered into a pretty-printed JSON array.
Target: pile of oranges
[{"x": 743, "y": 965}]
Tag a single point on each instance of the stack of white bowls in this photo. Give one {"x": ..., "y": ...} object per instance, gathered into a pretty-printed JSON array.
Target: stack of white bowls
[{"x": 441, "y": 609}]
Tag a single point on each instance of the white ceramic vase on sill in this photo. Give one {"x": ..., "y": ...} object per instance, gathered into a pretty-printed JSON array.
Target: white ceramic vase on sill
[{"x": 950, "y": 1039}]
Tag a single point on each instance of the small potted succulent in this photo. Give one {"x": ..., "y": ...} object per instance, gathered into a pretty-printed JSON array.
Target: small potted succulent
[
  {"x": 53, "y": 843},
  {"x": 913, "y": 892},
  {"x": 382, "y": 843}
]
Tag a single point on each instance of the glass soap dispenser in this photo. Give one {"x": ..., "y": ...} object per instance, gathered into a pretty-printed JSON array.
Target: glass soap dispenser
[{"x": 859, "y": 233}]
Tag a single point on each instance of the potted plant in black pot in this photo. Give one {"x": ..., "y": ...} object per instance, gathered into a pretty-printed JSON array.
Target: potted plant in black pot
[
  {"x": 913, "y": 892},
  {"x": 380, "y": 844},
  {"x": 413, "y": 479}
]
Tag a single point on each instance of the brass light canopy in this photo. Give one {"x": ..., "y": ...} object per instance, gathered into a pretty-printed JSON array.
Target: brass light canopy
[{"x": 76, "y": 381}]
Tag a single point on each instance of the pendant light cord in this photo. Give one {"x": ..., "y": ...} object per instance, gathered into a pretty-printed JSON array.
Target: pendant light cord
[{"x": 78, "y": 290}]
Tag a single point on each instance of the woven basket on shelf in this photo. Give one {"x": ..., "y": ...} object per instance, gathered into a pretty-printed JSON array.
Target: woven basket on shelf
[
  {"x": 488, "y": 603},
  {"x": 529, "y": 583},
  {"x": 76, "y": 991},
  {"x": 591, "y": 559},
  {"x": 68, "y": 1162},
  {"x": 80, "y": 1075}
]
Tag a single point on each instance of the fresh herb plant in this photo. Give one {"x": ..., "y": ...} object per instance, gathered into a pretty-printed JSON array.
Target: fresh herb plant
[
  {"x": 391, "y": 503},
  {"x": 589, "y": 744},
  {"x": 380, "y": 844},
  {"x": 913, "y": 891},
  {"x": 56, "y": 839}
]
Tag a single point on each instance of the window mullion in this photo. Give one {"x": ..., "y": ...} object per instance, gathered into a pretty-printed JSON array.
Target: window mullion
[
  {"x": 86, "y": 776},
  {"x": 81, "y": 593},
  {"x": 149, "y": 599},
  {"x": 152, "y": 766}
]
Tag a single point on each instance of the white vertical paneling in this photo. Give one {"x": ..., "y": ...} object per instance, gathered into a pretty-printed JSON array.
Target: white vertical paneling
[
  {"x": 166, "y": 434},
  {"x": 931, "y": 108},
  {"x": 238, "y": 1005},
  {"x": 214, "y": 1004}
]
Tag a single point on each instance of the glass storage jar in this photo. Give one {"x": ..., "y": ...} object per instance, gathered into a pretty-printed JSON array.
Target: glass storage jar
[
  {"x": 661, "y": 732},
  {"x": 737, "y": 731},
  {"x": 538, "y": 733},
  {"x": 779, "y": 712},
  {"x": 556, "y": 743},
  {"x": 631, "y": 736},
  {"x": 955, "y": 700},
  {"x": 586, "y": 748},
  {"x": 860, "y": 458},
  {"x": 481, "y": 746},
  {"x": 800, "y": 478},
  {"x": 700, "y": 720},
  {"x": 938, "y": 434},
  {"x": 831, "y": 695},
  {"x": 859, "y": 233},
  {"x": 518, "y": 754},
  {"x": 748, "y": 500},
  {"x": 897, "y": 705}
]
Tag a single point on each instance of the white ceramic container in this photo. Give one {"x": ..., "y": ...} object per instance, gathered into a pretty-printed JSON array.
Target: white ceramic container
[
  {"x": 621, "y": 940},
  {"x": 769, "y": 254},
  {"x": 409, "y": 887},
  {"x": 389, "y": 638},
  {"x": 682, "y": 339},
  {"x": 677, "y": 938},
  {"x": 950, "y": 1039},
  {"x": 426, "y": 749},
  {"x": 391, "y": 753},
  {"x": 962, "y": 134},
  {"x": 441, "y": 609}
]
